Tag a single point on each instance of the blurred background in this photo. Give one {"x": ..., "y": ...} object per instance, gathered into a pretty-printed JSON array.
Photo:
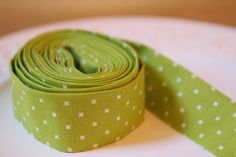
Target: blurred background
[{"x": 18, "y": 14}]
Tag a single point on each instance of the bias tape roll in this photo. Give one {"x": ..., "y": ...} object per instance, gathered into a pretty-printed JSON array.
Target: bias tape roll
[{"x": 76, "y": 90}]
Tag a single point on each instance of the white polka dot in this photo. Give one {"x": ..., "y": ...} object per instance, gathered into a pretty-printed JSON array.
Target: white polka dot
[
  {"x": 82, "y": 137},
  {"x": 135, "y": 87},
  {"x": 96, "y": 60},
  {"x": 64, "y": 86},
  {"x": 18, "y": 103},
  {"x": 234, "y": 115},
  {"x": 66, "y": 103},
  {"x": 41, "y": 100},
  {"x": 36, "y": 129},
  {"x": 118, "y": 118},
  {"x": 107, "y": 110},
  {"x": 134, "y": 107},
  {"x": 150, "y": 88},
  {"x": 107, "y": 132},
  {"x": 133, "y": 127},
  {"x": 24, "y": 119},
  {"x": 84, "y": 61},
  {"x": 213, "y": 89},
  {"x": 68, "y": 127},
  {"x": 183, "y": 125},
  {"x": 182, "y": 110},
  {"x": 218, "y": 132},
  {"x": 47, "y": 143},
  {"x": 117, "y": 138},
  {"x": 144, "y": 57},
  {"x": 140, "y": 92},
  {"x": 201, "y": 135},
  {"x": 60, "y": 50},
  {"x": 179, "y": 94},
  {"x": 94, "y": 101},
  {"x": 23, "y": 92},
  {"x": 194, "y": 76},
  {"x": 126, "y": 123},
  {"x": 165, "y": 99},
  {"x": 156, "y": 54},
  {"x": 70, "y": 70},
  {"x": 217, "y": 118},
  {"x": 27, "y": 114},
  {"x": 178, "y": 79},
  {"x": 127, "y": 103},
  {"x": 221, "y": 147},
  {"x": 33, "y": 108},
  {"x": 166, "y": 113},
  {"x": 196, "y": 91},
  {"x": 175, "y": 64},
  {"x": 164, "y": 84},
  {"x": 43, "y": 80},
  {"x": 160, "y": 68},
  {"x": 215, "y": 104},
  {"x": 54, "y": 114},
  {"x": 200, "y": 122},
  {"x": 152, "y": 103},
  {"x": 125, "y": 45},
  {"x": 56, "y": 136},
  {"x": 94, "y": 124},
  {"x": 140, "y": 112},
  {"x": 69, "y": 149},
  {"x": 81, "y": 114},
  {"x": 95, "y": 145},
  {"x": 118, "y": 96},
  {"x": 45, "y": 122},
  {"x": 199, "y": 107},
  {"x": 80, "y": 46}
]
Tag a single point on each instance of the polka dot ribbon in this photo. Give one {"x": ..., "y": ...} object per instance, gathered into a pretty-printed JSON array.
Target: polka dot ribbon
[{"x": 76, "y": 90}]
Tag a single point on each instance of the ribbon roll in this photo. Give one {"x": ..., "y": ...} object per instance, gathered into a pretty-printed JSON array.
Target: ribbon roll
[{"x": 76, "y": 90}]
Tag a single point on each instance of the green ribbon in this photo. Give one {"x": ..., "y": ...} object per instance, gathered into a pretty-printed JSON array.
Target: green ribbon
[{"x": 76, "y": 90}]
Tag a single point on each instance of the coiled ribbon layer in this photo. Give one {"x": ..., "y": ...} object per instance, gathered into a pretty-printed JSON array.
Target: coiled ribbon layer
[{"x": 76, "y": 90}]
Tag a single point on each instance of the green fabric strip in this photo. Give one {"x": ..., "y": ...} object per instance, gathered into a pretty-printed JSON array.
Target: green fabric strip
[{"x": 76, "y": 90}]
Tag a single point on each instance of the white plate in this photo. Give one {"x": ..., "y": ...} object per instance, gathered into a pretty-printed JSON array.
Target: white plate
[{"x": 206, "y": 49}]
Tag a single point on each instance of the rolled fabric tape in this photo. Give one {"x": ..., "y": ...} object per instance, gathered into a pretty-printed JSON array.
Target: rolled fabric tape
[{"x": 76, "y": 90}]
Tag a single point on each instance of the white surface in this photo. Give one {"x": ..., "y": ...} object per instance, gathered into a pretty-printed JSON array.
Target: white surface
[{"x": 206, "y": 49}]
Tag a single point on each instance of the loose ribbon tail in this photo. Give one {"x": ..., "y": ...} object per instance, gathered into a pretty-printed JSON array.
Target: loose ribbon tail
[{"x": 76, "y": 90}]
